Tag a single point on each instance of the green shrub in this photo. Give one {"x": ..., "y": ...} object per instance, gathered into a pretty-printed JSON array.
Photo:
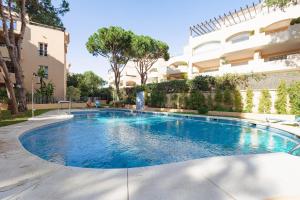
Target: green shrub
[
  {"x": 157, "y": 99},
  {"x": 295, "y": 21},
  {"x": 203, "y": 109},
  {"x": 265, "y": 102},
  {"x": 281, "y": 101},
  {"x": 218, "y": 99},
  {"x": 182, "y": 100},
  {"x": 228, "y": 100},
  {"x": 294, "y": 94},
  {"x": 210, "y": 103},
  {"x": 249, "y": 100},
  {"x": 195, "y": 101},
  {"x": 202, "y": 83},
  {"x": 3, "y": 95},
  {"x": 238, "y": 103},
  {"x": 174, "y": 86},
  {"x": 174, "y": 100}
]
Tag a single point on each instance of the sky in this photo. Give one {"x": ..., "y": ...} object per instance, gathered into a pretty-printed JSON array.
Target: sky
[{"x": 166, "y": 20}]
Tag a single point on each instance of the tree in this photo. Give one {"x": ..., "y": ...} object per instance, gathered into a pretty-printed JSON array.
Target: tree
[
  {"x": 113, "y": 43},
  {"x": 14, "y": 46},
  {"x": 265, "y": 102},
  {"x": 294, "y": 95},
  {"x": 41, "y": 73},
  {"x": 44, "y": 12},
  {"x": 145, "y": 52},
  {"x": 228, "y": 100},
  {"x": 90, "y": 83},
  {"x": 73, "y": 80},
  {"x": 279, "y": 3},
  {"x": 249, "y": 100},
  {"x": 281, "y": 101},
  {"x": 218, "y": 99},
  {"x": 238, "y": 104},
  {"x": 73, "y": 93}
]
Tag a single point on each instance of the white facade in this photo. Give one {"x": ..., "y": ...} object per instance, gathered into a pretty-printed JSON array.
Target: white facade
[
  {"x": 255, "y": 39},
  {"x": 130, "y": 76}
]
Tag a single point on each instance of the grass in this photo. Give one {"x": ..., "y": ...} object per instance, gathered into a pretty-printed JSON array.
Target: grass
[{"x": 6, "y": 118}]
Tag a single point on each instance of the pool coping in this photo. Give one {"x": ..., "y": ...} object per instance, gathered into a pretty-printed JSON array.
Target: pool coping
[{"x": 17, "y": 160}]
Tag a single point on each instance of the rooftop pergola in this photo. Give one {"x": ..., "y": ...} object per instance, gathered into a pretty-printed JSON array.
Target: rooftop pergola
[{"x": 225, "y": 20}]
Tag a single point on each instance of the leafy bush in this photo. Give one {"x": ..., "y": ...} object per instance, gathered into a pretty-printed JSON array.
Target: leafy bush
[
  {"x": 281, "y": 101},
  {"x": 174, "y": 100},
  {"x": 210, "y": 103},
  {"x": 265, "y": 102},
  {"x": 157, "y": 99},
  {"x": 249, "y": 100},
  {"x": 228, "y": 100},
  {"x": 3, "y": 95},
  {"x": 174, "y": 86},
  {"x": 196, "y": 101},
  {"x": 105, "y": 93},
  {"x": 203, "y": 109},
  {"x": 218, "y": 99},
  {"x": 294, "y": 94},
  {"x": 238, "y": 104},
  {"x": 202, "y": 83},
  {"x": 295, "y": 21}
]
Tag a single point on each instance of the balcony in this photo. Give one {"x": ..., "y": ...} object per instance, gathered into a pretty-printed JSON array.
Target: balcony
[
  {"x": 259, "y": 41},
  {"x": 259, "y": 66},
  {"x": 177, "y": 70}
]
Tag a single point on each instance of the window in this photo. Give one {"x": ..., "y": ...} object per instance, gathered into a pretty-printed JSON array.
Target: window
[
  {"x": 46, "y": 70},
  {"x": 43, "y": 49}
]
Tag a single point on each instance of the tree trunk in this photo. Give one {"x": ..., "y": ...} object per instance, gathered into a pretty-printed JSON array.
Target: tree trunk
[
  {"x": 117, "y": 84},
  {"x": 9, "y": 87},
  {"x": 19, "y": 82},
  {"x": 14, "y": 45}
]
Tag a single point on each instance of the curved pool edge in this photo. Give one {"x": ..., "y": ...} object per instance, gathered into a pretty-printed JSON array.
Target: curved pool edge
[
  {"x": 51, "y": 122},
  {"x": 54, "y": 181}
]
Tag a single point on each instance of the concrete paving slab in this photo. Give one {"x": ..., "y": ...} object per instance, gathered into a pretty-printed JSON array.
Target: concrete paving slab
[{"x": 172, "y": 182}]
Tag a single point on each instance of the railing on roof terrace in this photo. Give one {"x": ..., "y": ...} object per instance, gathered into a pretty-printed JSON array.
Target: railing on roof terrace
[{"x": 231, "y": 18}]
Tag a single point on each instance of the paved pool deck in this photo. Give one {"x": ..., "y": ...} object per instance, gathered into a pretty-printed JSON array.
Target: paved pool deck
[{"x": 24, "y": 176}]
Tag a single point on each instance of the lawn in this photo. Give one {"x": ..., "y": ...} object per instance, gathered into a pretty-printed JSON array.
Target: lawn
[{"x": 7, "y": 119}]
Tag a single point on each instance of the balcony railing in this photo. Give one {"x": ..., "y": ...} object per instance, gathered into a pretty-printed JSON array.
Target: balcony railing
[
  {"x": 292, "y": 61},
  {"x": 257, "y": 40}
]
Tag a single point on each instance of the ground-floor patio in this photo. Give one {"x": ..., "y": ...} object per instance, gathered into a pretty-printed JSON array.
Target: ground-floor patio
[{"x": 262, "y": 176}]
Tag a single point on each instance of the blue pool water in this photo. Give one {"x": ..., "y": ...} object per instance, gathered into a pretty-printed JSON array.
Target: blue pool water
[{"x": 117, "y": 139}]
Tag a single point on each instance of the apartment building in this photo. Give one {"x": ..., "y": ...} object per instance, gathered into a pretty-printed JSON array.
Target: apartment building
[
  {"x": 43, "y": 46},
  {"x": 253, "y": 39},
  {"x": 130, "y": 76}
]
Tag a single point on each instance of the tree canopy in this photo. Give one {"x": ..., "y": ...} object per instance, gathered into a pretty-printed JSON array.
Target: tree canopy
[
  {"x": 278, "y": 3},
  {"x": 113, "y": 43},
  {"x": 89, "y": 83},
  {"x": 44, "y": 12},
  {"x": 145, "y": 52}
]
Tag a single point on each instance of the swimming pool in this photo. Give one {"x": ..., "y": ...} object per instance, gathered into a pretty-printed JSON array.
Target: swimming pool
[{"x": 122, "y": 139}]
